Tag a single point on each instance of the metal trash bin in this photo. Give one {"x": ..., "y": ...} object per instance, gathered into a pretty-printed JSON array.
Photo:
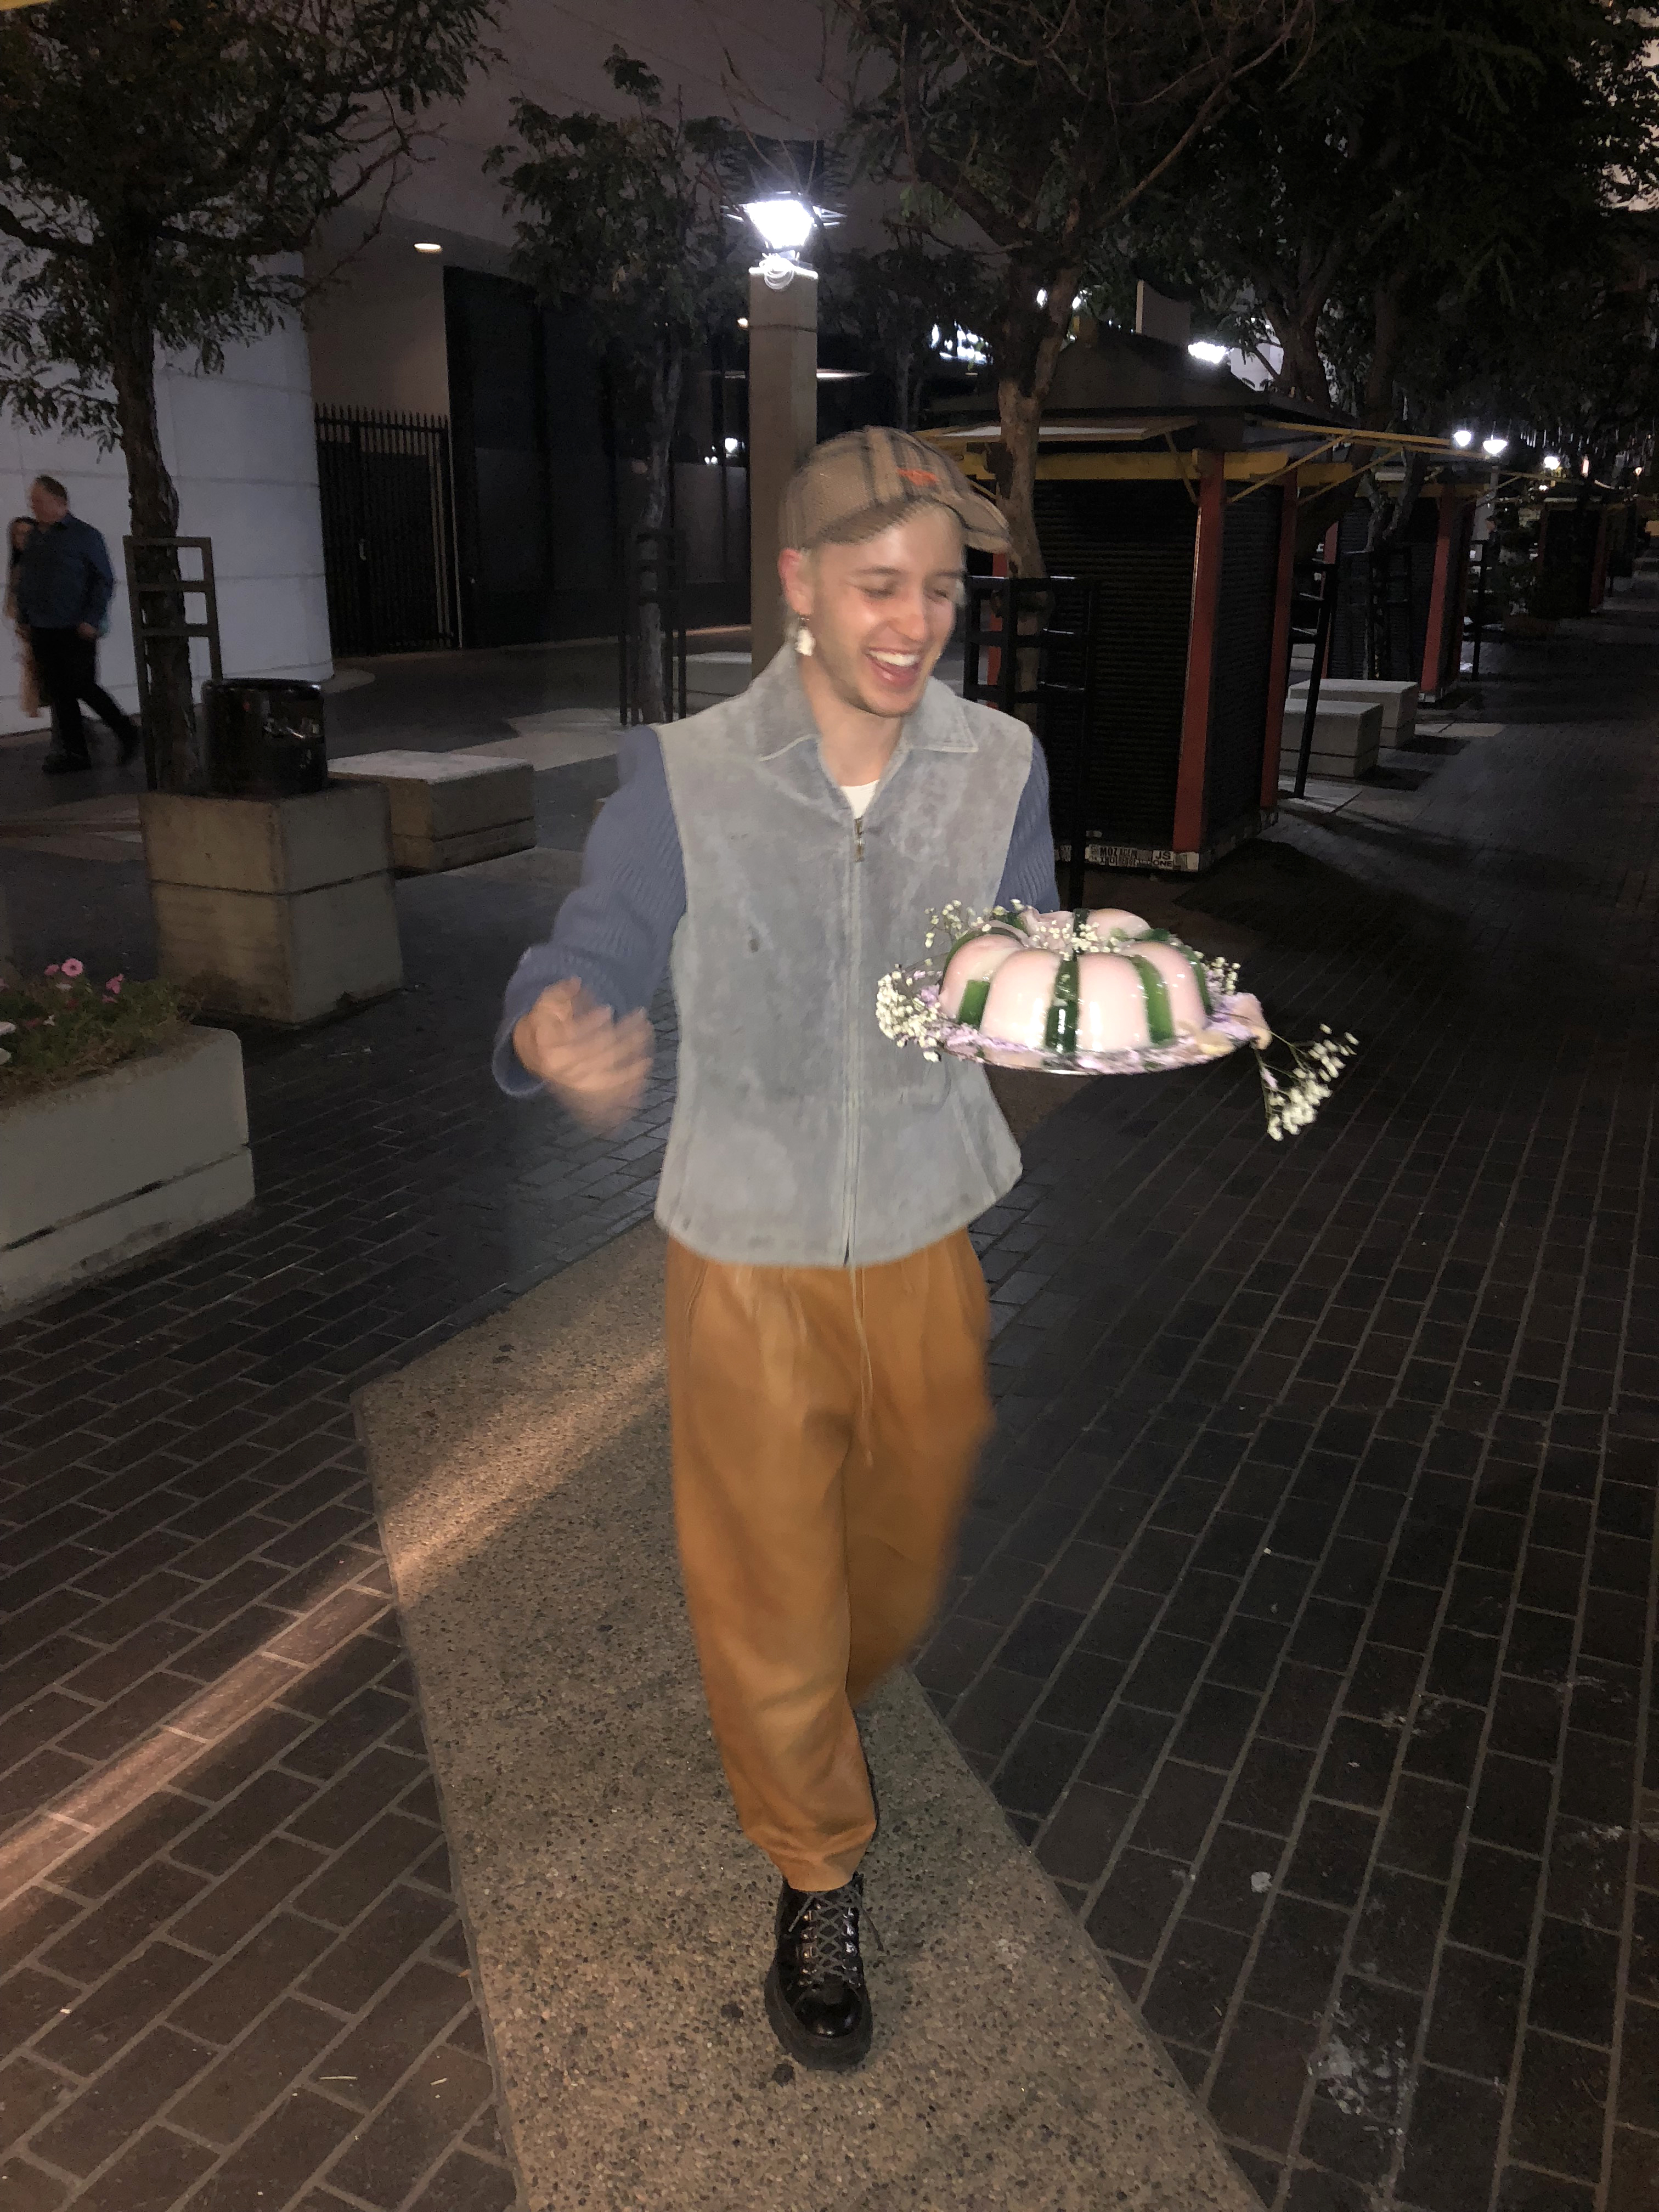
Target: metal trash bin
[{"x": 264, "y": 740}]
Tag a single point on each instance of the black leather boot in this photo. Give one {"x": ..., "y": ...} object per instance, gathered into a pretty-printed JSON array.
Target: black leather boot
[{"x": 815, "y": 1999}]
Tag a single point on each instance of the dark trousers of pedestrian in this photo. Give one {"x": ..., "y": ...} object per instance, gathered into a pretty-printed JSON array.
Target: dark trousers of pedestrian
[{"x": 67, "y": 665}]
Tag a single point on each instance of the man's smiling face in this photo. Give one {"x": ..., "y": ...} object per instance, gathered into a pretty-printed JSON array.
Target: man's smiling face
[{"x": 881, "y": 611}]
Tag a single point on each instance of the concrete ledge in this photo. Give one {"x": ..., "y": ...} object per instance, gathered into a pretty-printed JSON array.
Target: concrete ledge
[
  {"x": 447, "y": 810},
  {"x": 94, "y": 1174},
  {"x": 620, "y": 1925},
  {"x": 272, "y": 845},
  {"x": 275, "y": 909},
  {"x": 1348, "y": 734},
  {"x": 1398, "y": 701}
]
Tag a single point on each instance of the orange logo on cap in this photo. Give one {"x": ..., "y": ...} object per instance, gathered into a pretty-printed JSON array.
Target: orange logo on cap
[{"x": 919, "y": 476}]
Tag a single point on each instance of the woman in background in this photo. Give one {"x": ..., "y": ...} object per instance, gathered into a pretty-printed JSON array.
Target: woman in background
[{"x": 28, "y": 687}]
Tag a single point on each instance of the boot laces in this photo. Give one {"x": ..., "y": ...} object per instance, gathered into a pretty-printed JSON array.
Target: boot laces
[{"x": 827, "y": 1925}]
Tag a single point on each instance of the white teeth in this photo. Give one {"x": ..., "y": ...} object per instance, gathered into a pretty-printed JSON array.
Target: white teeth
[{"x": 897, "y": 660}]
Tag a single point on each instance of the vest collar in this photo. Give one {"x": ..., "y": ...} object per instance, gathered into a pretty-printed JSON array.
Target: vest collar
[{"x": 781, "y": 717}]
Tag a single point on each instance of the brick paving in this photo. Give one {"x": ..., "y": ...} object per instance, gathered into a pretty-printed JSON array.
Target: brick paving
[{"x": 1304, "y": 1625}]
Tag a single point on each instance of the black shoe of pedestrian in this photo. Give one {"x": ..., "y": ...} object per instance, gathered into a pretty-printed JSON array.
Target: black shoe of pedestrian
[
  {"x": 815, "y": 1999},
  {"x": 60, "y": 764}
]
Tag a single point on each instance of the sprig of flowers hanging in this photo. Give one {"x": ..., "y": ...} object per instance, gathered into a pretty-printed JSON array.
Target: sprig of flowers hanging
[{"x": 1158, "y": 1004}]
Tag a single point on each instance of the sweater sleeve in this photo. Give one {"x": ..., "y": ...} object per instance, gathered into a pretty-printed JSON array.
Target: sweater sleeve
[
  {"x": 613, "y": 932},
  {"x": 99, "y": 580},
  {"x": 1028, "y": 874}
]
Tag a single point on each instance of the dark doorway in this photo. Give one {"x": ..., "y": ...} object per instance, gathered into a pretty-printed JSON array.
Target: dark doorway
[{"x": 388, "y": 530}]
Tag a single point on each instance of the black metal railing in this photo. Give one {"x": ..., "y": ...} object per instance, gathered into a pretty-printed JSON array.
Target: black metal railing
[
  {"x": 1028, "y": 647},
  {"x": 388, "y": 530}
]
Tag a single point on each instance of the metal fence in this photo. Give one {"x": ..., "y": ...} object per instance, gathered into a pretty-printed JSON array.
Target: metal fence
[{"x": 388, "y": 530}]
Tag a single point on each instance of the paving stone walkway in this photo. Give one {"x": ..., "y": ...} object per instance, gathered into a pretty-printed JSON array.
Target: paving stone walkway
[{"x": 1305, "y": 1624}]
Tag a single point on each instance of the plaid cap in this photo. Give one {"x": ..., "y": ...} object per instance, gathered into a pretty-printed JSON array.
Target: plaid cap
[{"x": 865, "y": 480}]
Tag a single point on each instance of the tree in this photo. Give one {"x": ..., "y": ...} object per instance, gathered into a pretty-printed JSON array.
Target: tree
[
  {"x": 631, "y": 216},
  {"x": 899, "y": 301},
  {"x": 1418, "y": 165},
  {"x": 1043, "y": 122},
  {"x": 162, "y": 162}
]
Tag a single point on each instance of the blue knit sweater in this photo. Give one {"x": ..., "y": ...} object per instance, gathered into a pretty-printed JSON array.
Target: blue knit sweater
[{"x": 613, "y": 932}]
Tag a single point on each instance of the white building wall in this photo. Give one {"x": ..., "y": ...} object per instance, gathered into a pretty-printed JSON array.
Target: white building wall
[{"x": 243, "y": 452}]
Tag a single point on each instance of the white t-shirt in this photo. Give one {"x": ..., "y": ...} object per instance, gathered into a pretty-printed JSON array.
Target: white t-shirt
[{"x": 858, "y": 796}]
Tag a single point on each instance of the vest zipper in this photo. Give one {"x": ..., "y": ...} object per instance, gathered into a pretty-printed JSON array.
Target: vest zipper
[{"x": 854, "y": 1071}]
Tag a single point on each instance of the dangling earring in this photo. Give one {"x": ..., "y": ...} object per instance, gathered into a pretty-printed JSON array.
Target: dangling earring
[{"x": 803, "y": 642}]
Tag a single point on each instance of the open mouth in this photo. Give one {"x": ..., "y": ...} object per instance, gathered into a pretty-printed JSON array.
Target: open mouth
[{"x": 894, "y": 671}]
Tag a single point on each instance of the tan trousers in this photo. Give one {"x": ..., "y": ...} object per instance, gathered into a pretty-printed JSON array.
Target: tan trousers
[{"x": 826, "y": 1422}]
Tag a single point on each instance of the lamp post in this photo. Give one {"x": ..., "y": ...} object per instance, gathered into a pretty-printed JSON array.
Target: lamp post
[{"x": 783, "y": 399}]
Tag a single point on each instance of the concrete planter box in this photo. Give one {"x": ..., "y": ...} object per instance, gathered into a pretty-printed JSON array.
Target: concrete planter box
[
  {"x": 1397, "y": 701},
  {"x": 448, "y": 809},
  {"x": 96, "y": 1174},
  {"x": 1346, "y": 734},
  {"x": 275, "y": 909}
]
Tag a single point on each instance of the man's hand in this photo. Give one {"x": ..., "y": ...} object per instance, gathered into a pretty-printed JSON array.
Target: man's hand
[
  {"x": 85, "y": 630},
  {"x": 594, "y": 1065}
]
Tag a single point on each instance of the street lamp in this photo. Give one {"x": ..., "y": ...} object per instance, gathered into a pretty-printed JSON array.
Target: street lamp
[
  {"x": 785, "y": 224},
  {"x": 1554, "y": 461},
  {"x": 783, "y": 397},
  {"x": 1492, "y": 447},
  {"x": 1207, "y": 350},
  {"x": 1462, "y": 440}
]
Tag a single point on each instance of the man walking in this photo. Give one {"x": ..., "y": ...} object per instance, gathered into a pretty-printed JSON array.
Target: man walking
[
  {"x": 826, "y": 1314},
  {"x": 63, "y": 588}
]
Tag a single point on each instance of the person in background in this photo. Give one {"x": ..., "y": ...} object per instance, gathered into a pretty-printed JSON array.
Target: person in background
[
  {"x": 827, "y": 1317},
  {"x": 18, "y": 533},
  {"x": 64, "y": 584}
]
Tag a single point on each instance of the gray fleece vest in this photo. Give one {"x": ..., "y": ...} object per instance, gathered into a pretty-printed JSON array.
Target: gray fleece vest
[{"x": 803, "y": 1137}]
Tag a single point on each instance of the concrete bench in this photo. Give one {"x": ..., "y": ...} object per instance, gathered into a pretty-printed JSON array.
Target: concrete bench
[
  {"x": 448, "y": 809},
  {"x": 1346, "y": 735},
  {"x": 1397, "y": 701}
]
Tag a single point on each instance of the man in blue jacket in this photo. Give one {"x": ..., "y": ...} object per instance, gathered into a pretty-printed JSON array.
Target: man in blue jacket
[
  {"x": 827, "y": 1316},
  {"x": 63, "y": 588}
]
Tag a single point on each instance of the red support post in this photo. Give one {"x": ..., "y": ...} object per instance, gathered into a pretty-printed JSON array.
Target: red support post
[{"x": 1442, "y": 597}]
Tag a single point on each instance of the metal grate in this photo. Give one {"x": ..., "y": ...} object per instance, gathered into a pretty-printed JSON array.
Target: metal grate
[
  {"x": 388, "y": 530},
  {"x": 1134, "y": 543}
]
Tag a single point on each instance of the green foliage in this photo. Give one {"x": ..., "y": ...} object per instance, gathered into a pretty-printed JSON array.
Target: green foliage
[
  {"x": 627, "y": 215},
  {"x": 1424, "y": 177},
  {"x": 894, "y": 299},
  {"x": 58, "y": 1027},
  {"x": 158, "y": 156},
  {"x": 1041, "y": 123}
]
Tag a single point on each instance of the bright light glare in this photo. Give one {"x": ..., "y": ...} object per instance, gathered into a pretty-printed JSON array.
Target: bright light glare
[
  {"x": 427, "y": 246},
  {"x": 1552, "y": 460},
  {"x": 1462, "y": 438},
  {"x": 957, "y": 344},
  {"x": 1207, "y": 349},
  {"x": 1493, "y": 447},
  {"x": 732, "y": 446},
  {"x": 785, "y": 224}
]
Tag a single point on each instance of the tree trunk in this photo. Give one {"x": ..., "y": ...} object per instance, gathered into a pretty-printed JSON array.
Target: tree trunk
[
  {"x": 653, "y": 642},
  {"x": 1020, "y": 414},
  {"x": 153, "y": 502},
  {"x": 1302, "y": 373},
  {"x": 1386, "y": 335}
]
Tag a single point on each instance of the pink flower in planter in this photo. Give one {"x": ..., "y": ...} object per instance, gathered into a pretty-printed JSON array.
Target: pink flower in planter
[
  {"x": 52, "y": 970},
  {"x": 114, "y": 985},
  {"x": 71, "y": 968}
]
